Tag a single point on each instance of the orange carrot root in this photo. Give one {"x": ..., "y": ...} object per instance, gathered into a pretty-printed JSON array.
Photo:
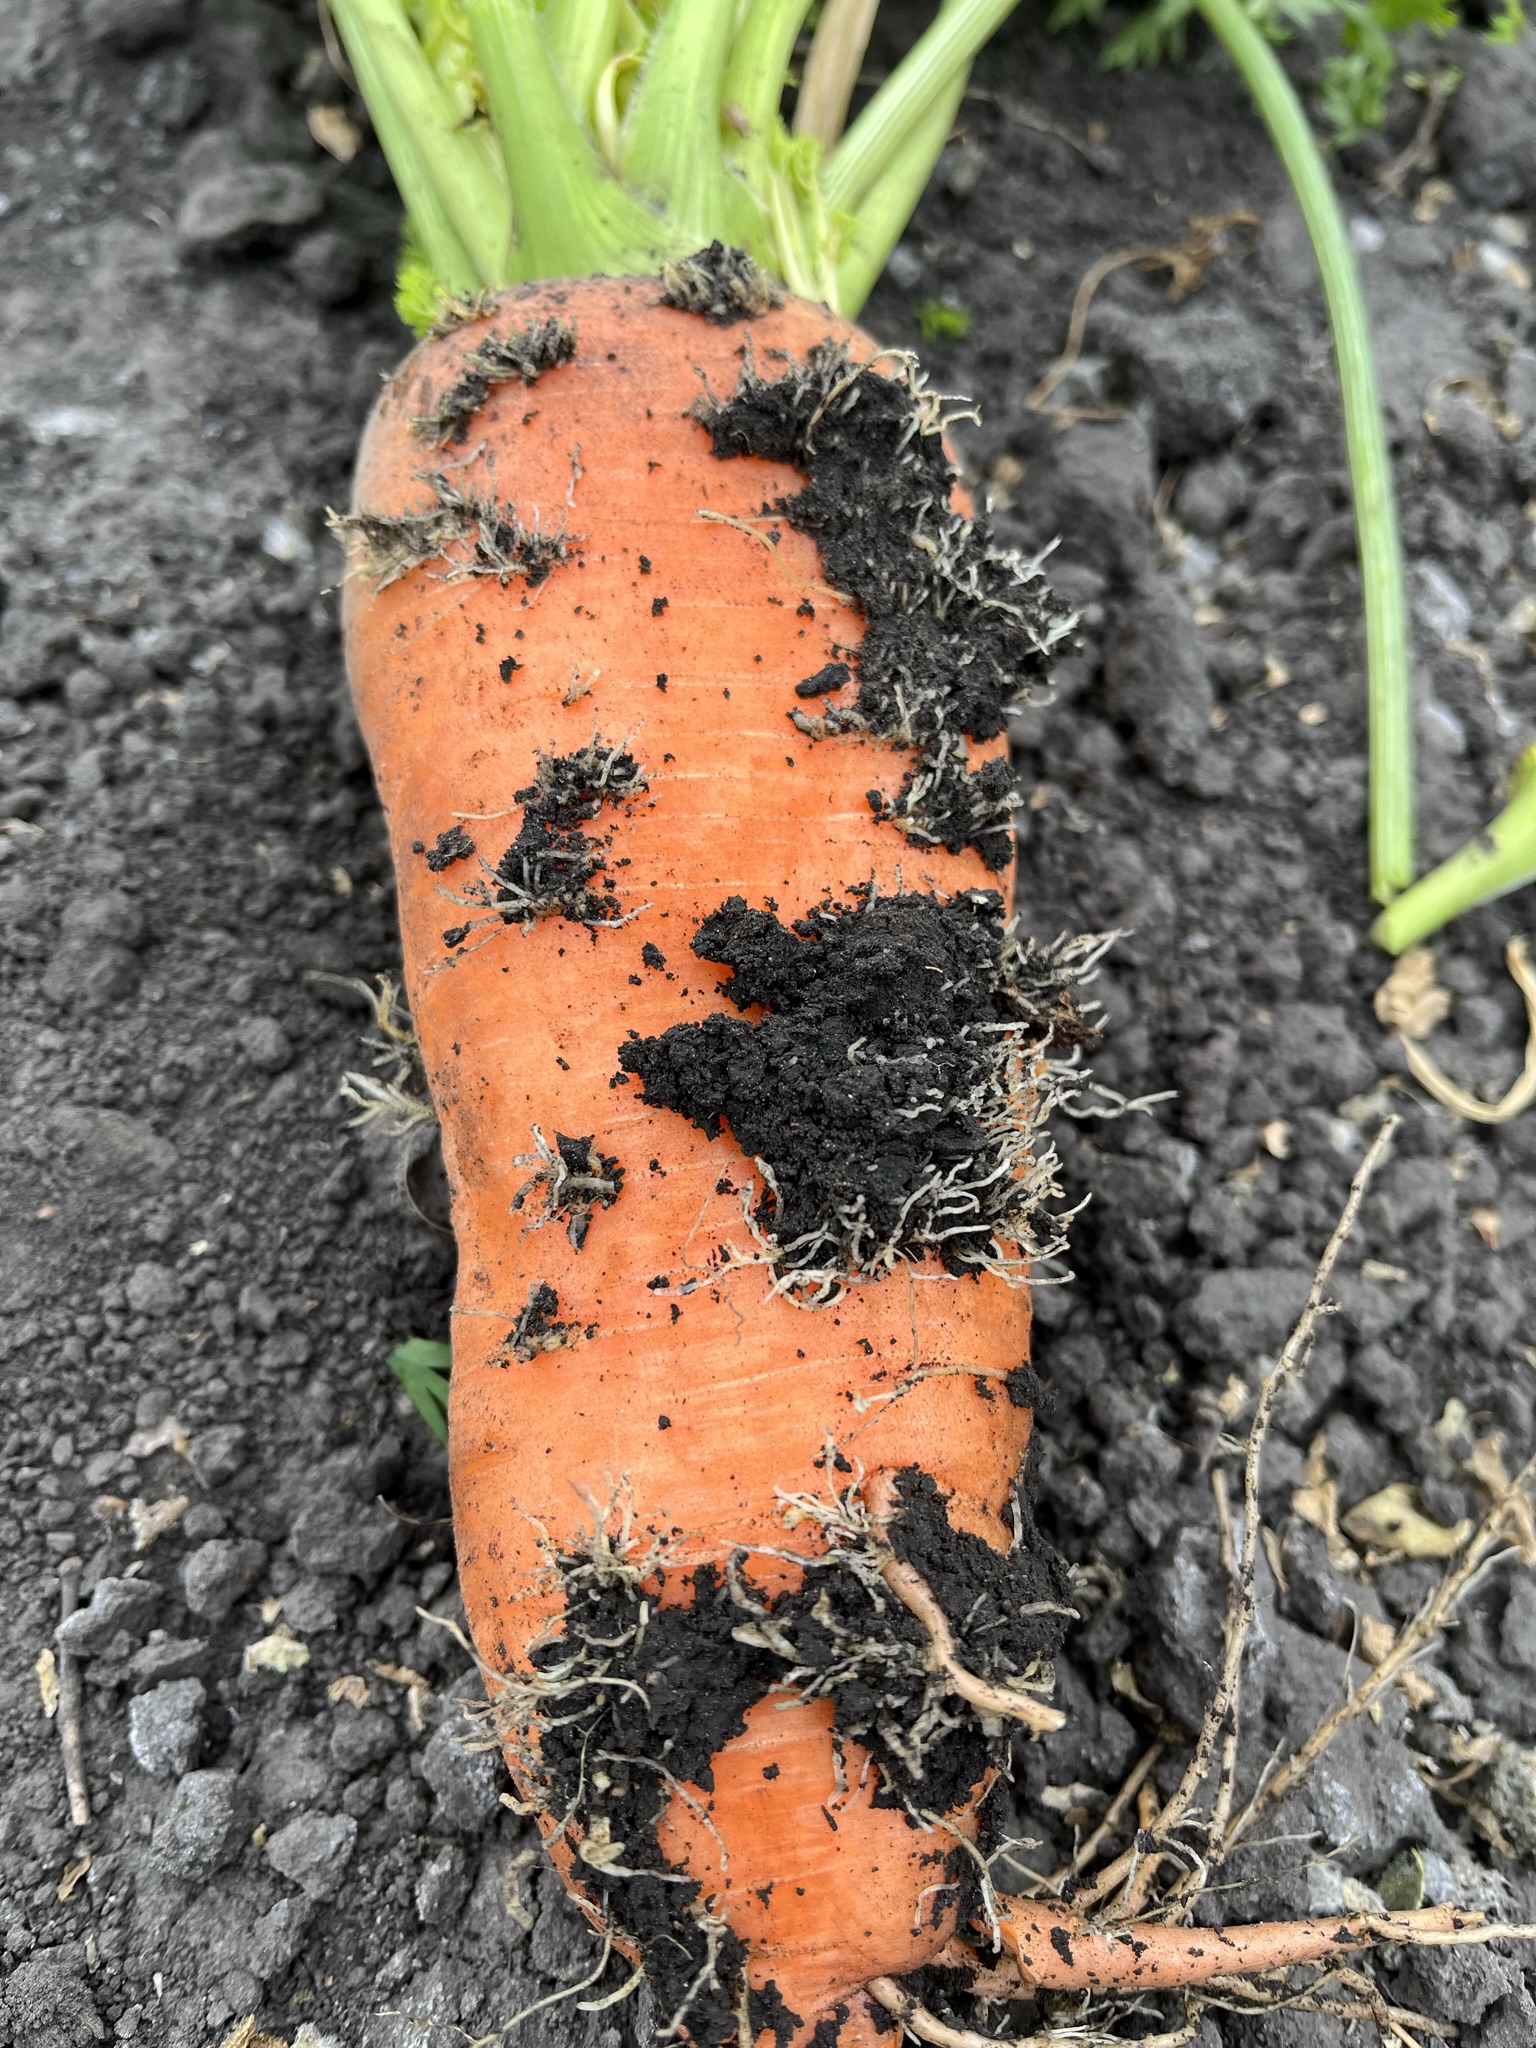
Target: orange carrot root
[{"x": 1056, "y": 1950}]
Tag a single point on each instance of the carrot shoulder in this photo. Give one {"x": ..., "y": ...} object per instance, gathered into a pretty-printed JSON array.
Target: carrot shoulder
[{"x": 575, "y": 626}]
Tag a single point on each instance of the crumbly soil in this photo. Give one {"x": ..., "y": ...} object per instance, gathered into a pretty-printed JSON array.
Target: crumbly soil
[{"x": 203, "y": 1268}]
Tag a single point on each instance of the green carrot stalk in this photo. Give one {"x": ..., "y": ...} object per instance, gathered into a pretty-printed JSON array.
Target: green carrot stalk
[
  {"x": 1389, "y": 695},
  {"x": 1498, "y": 860},
  {"x": 591, "y": 136}
]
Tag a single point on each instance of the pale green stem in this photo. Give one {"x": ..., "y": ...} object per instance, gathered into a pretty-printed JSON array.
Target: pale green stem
[
  {"x": 754, "y": 77},
  {"x": 574, "y": 220},
  {"x": 885, "y": 133},
  {"x": 891, "y": 202},
  {"x": 448, "y": 177},
  {"x": 671, "y": 138},
  {"x": 1497, "y": 861},
  {"x": 580, "y": 37},
  {"x": 1388, "y": 689}
]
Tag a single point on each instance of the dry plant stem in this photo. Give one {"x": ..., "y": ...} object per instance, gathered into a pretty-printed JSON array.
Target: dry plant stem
[
  {"x": 1521, "y": 1093},
  {"x": 72, "y": 1703},
  {"x": 1221, "y": 1714},
  {"x": 1414, "y": 1640},
  {"x": 832, "y": 69},
  {"x": 1084, "y": 1854}
]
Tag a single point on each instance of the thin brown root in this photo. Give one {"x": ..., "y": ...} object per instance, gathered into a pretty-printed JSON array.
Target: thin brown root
[
  {"x": 1434, "y": 1081},
  {"x": 1002, "y": 1701},
  {"x": 1418, "y": 152},
  {"x": 1188, "y": 262}
]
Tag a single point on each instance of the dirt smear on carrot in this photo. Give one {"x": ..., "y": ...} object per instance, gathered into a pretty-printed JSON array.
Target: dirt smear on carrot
[
  {"x": 633, "y": 1700},
  {"x": 720, "y": 284},
  {"x": 554, "y": 867},
  {"x": 955, "y": 628},
  {"x": 892, "y": 1096},
  {"x": 521, "y": 356}
]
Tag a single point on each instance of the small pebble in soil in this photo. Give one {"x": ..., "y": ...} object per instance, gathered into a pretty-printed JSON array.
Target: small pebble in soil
[
  {"x": 217, "y": 1574},
  {"x": 198, "y": 1829},
  {"x": 165, "y": 1727},
  {"x": 313, "y": 1851}
]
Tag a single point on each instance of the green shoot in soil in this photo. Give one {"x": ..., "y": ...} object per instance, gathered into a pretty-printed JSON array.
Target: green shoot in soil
[
  {"x": 938, "y": 321},
  {"x": 421, "y": 1367},
  {"x": 612, "y": 136},
  {"x": 1353, "y": 96},
  {"x": 1501, "y": 859},
  {"x": 1388, "y": 689}
]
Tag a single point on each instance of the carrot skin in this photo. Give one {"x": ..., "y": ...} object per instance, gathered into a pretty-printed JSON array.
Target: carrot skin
[{"x": 693, "y": 1407}]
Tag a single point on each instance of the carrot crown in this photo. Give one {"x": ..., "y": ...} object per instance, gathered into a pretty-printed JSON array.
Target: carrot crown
[{"x": 615, "y": 136}]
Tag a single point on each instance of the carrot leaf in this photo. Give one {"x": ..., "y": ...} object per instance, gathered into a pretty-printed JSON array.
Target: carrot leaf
[{"x": 422, "y": 1367}]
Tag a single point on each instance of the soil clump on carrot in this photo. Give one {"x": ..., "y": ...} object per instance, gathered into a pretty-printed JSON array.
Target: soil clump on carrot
[
  {"x": 955, "y": 628},
  {"x": 633, "y": 1698},
  {"x": 469, "y": 532},
  {"x": 552, "y": 868},
  {"x": 720, "y": 284},
  {"x": 878, "y": 1090},
  {"x": 524, "y": 355}
]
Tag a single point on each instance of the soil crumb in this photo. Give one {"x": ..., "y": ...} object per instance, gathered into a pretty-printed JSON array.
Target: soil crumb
[
  {"x": 524, "y": 354},
  {"x": 720, "y": 284},
  {"x": 890, "y": 1094},
  {"x": 451, "y": 845},
  {"x": 537, "y": 1327},
  {"x": 956, "y": 628},
  {"x": 554, "y": 868},
  {"x": 573, "y": 1178}
]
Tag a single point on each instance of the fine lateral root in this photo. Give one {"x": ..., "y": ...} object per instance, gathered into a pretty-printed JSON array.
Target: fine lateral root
[
  {"x": 468, "y": 530},
  {"x": 573, "y": 1178}
]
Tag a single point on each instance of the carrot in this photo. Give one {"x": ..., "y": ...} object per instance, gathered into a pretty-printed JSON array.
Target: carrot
[
  {"x": 684, "y": 667},
  {"x": 595, "y": 789}
]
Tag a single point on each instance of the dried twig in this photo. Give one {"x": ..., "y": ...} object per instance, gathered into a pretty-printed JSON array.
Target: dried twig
[
  {"x": 1188, "y": 262},
  {"x": 1222, "y": 1713},
  {"x": 1416, "y": 152},
  {"x": 72, "y": 1702},
  {"x": 832, "y": 69},
  {"x": 1496, "y": 1528}
]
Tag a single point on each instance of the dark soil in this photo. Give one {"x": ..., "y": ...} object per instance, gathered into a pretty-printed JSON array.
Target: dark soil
[
  {"x": 877, "y": 1087},
  {"x": 204, "y": 1269}
]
